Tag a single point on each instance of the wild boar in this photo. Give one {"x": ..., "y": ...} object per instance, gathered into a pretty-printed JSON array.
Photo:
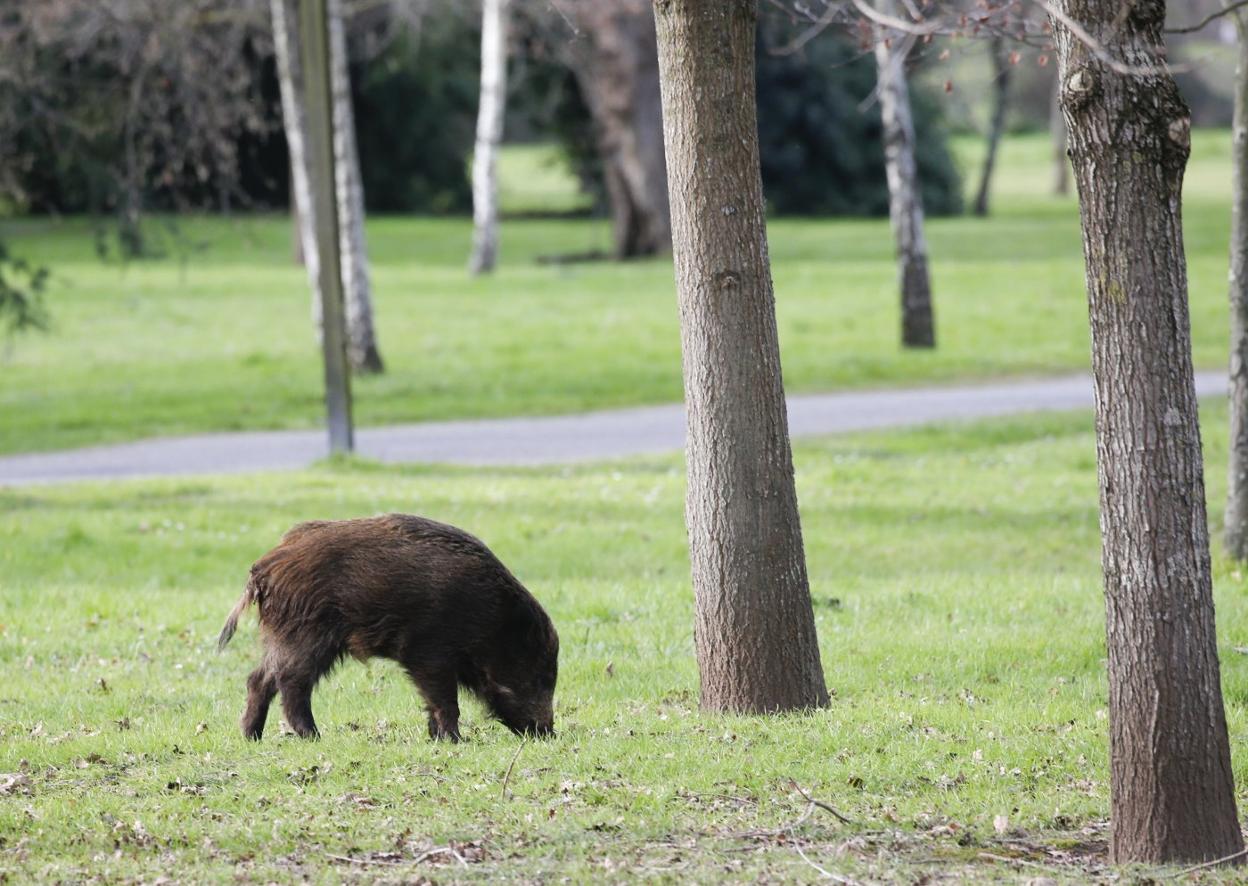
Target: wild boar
[{"x": 427, "y": 595}]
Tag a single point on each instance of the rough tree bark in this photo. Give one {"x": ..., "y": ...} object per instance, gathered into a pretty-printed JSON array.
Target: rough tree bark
[
  {"x": 1001, "y": 71},
  {"x": 754, "y": 626},
  {"x": 1171, "y": 789},
  {"x": 616, "y": 67},
  {"x": 905, "y": 202},
  {"x": 1236, "y": 536},
  {"x": 1057, "y": 131},
  {"x": 362, "y": 349},
  {"x": 490, "y": 110}
]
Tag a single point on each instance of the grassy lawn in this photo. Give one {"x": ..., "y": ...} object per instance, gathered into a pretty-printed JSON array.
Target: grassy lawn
[
  {"x": 955, "y": 578},
  {"x": 217, "y": 335}
]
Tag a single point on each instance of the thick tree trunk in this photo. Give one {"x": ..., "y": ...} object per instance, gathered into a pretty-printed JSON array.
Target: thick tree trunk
[
  {"x": 1001, "y": 71},
  {"x": 490, "y": 110},
  {"x": 1237, "y": 487},
  {"x": 754, "y": 626},
  {"x": 361, "y": 346},
  {"x": 1057, "y": 130},
  {"x": 1171, "y": 788},
  {"x": 616, "y": 66},
  {"x": 905, "y": 202}
]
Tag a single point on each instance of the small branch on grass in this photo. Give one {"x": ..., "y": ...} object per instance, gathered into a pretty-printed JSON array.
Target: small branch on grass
[
  {"x": 1211, "y": 864},
  {"x": 1034, "y": 864},
  {"x": 824, "y": 872},
  {"x": 363, "y": 861},
  {"x": 440, "y": 850},
  {"x": 822, "y": 805},
  {"x": 512, "y": 765}
]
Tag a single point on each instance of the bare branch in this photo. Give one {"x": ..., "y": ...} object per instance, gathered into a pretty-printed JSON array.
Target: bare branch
[{"x": 1226, "y": 9}]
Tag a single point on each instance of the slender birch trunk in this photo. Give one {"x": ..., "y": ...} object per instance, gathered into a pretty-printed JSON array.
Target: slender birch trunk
[
  {"x": 356, "y": 283},
  {"x": 754, "y": 626},
  {"x": 905, "y": 202},
  {"x": 1172, "y": 796},
  {"x": 1001, "y": 71},
  {"x": 490, "y": 112},
  {"x": 1237, "y": 488},
  {"x": 361, "y": 344}
]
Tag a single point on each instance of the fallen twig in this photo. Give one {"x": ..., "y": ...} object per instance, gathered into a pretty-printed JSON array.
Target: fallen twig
[
  {"x": 511, "y": 765},
  {"x": 439, "y": 850},
  {"x": 824, "y": 872},
  {"x": 822, "y": 805},
  {"x": 991, "y": 857},
  {"x": 363, "y": 861},
  {"x": 1211, "y": 864}
]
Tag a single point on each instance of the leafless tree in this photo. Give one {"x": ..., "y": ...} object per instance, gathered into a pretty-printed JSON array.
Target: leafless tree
[
  {"x": 362, "y": 339},
  {"x": 754, "y": 626},
  {"x": 140, "y": 98},
  {"x": 1237, "y": 486},
  {"x": 613, "y": 53},
  {"x": 1171, "y": 785},
  {"x": 490, "y": 112}
]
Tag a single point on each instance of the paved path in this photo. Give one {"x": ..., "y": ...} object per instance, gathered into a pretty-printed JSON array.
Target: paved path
[{"x": 558, "y": 439}]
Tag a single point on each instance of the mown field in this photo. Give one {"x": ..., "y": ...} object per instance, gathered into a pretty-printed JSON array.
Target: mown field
[
  {"x": 956, "y": 587},
  {"x": 217, "y": 335}
]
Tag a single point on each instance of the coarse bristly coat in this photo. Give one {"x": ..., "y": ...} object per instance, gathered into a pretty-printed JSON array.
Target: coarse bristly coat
[{"x": 427, "y": 595}]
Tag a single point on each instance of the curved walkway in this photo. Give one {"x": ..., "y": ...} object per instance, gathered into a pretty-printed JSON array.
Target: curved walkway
[{"x": 556, "y": 439}]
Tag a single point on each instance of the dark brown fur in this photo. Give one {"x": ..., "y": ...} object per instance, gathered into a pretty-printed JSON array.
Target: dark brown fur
[{"x": 427, "y": 595}]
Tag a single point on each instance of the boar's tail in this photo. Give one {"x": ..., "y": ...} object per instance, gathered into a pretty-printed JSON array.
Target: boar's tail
[{"x": 231, "y": 621}]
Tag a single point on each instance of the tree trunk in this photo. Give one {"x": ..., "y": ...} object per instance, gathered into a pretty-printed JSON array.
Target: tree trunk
[
  {"x": 361, "y": 337},
  {"x": 1057, "y": 129},
  {"x": 616, "y": 67},
  {"x": 754, "y": 626},
  {"x": 1171, "y": 788},
  {"x": 316, "y": 52},
  {"x": 1001, "y": 71},
  {"x": 490, "y": 110},
  {"x": 296, "y": 228},
  {"x": 1237, "y": 487},
  {"x": 361, "y": 346},
  {"x": 905, "y": 202}
]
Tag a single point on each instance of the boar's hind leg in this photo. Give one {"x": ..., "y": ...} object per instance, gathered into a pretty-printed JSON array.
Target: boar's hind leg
[
  {"x": 441, "y": 700},
  {"x": 296, "y": 692},
  {"x": 261, "y": 687}
]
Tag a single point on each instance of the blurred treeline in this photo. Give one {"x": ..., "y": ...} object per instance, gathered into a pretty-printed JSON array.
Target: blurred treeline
[{"x": 128, "y": 105}]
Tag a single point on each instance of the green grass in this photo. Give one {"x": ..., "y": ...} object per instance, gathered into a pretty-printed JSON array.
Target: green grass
[
  {"x": 956, "y": 586},
  {"x": 217, "y": 335}
]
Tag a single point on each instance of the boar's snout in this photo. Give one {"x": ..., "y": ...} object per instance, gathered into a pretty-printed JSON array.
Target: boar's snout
[{"x": 540, "y": 729}]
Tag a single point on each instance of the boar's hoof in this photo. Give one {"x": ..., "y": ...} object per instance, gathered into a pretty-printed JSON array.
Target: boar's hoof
[{"x": 440, "y": 732}]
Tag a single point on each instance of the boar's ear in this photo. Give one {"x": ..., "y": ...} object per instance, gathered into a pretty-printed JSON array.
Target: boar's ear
[{"x": 524, "y": 630}]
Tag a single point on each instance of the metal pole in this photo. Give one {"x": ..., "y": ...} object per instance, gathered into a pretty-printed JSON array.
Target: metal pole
[{"x": 315, "y": 49}]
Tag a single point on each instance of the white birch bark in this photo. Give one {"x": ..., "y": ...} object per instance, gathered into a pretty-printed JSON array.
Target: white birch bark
[
  {"x": 356, "y": 284},
  {"x": 361, "y": 337},
  {"x": 289, "y": 75},
  {"x": 905, "y": 203},
  {"x": 490, "y": 112},
  {"x": 1237, "y": 487}
]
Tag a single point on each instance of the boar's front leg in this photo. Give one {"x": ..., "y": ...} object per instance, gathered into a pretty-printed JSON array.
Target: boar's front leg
[{"x": 441, "y": 694}]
